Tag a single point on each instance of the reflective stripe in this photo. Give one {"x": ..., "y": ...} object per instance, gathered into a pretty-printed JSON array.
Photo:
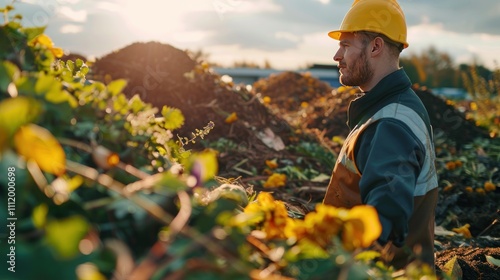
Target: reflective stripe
[{"x": 427, "y": 180}]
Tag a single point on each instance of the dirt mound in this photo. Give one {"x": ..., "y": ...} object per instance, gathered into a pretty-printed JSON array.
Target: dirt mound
[
  {"x": 243, "y": 127},
  {"x": 308, "y": 103},
  {"x": 289, "y": 89},
  {"x": 446, "y": 119},
  {"x": 73, "y": 57},
  {"x": 472, "y": 261}
]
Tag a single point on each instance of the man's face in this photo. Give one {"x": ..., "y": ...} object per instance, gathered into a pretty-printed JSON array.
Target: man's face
[{"x": 355, "y": 69}]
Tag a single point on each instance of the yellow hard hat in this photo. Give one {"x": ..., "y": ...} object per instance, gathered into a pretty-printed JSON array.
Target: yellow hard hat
[{"x": 381, "y": 16}]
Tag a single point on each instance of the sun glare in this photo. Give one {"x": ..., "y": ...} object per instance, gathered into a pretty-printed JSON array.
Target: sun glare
[{"x": 151, "y": 18}]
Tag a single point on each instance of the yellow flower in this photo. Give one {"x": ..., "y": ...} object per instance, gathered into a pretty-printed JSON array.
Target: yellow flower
[
  {"x": 451, "y": 165},
  {"x": 275, "y": 180},
  {"x": 361, "y": 227},
  {"x": 272, "y": 164},
  {"x": 266, "y": 100},
  {"x": 342, "y": 89},
  {"x": 448, "y": 188},
  {"x": 271, "y": 214},
  {"x": 464, "y": 230},
  {"x": 231, "y": 118},
  {"x": 38, "y": 144},
  {"x": 304, "y": 104},
  {"x": 338, "y": 139},
  {"x": 45, "y": 41},
  {"x": 473, "y": 106},
  {"x": 480, "y": 191},
  {"x": 489, "y": 186},
  {"x": 358, "y": 227}
]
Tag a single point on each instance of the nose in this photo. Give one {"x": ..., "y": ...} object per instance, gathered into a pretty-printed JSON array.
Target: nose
[{"x": 338, "y": 56}]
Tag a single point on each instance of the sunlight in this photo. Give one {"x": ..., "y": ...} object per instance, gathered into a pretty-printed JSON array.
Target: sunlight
[{"x": 151, "y": 18}]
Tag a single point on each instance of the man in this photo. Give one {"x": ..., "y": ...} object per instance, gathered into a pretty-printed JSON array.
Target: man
[{"x": 387, "y": 160}]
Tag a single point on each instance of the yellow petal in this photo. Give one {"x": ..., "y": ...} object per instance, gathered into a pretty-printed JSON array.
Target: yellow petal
[
  {"x": 64, "y": 235},
  {"x": 39, "y": 215},
  {"x": 231, "y": 118},
  {"x": 272, "y": 164},
  {"x": 464, "y": 230},
  {"x": 57, "y": 52},
  {"x": 43, "y": 40},
  {"x": 38, "y": 144},
  {"x": 365, "y": 219}
]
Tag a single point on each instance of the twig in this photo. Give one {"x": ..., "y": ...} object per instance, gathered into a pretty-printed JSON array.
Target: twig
[
  {"x": 488, "y": 227},
  {"x": 158, "y": 213}
]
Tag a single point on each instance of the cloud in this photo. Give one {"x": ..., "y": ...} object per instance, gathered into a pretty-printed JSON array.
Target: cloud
[
  {"x": 224, "y": 7},
  {"x": 465, "y": 48},
  {"x": 278, "y": 26},
  {"x": 70, "y": 28},
  {"x": 461, "y": 16},
  {"x": 75, "y": 16},
  {"x": 107, "y": 6},
  {"x": 287, "y": 36}
]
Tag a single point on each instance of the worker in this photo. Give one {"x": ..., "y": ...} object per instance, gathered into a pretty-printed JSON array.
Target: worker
[{"x": 388, "y": 159}]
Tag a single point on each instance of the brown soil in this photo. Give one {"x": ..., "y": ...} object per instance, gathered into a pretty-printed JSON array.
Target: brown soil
[
  {"x": 301, "y": 108},
  {"x": 163, "y": 75},
  {"x": 472, "y": 262}
]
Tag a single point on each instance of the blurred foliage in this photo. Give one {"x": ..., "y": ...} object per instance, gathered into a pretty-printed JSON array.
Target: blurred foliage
[{"x": 485, "y": 94}]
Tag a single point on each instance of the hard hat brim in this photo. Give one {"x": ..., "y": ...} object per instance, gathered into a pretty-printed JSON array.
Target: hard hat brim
[{"x": 335, "y": 34}]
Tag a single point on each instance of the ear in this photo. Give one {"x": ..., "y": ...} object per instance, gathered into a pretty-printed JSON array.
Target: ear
[{"x": 377, "y": 45}]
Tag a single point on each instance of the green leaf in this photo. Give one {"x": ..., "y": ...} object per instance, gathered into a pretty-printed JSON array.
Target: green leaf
[
  {"x": 16, "y": 112},
  {"x": 204, "y": 165},
  {"x": 46, "y": 84},
  {"x": 8, "y": 73},
  {"x": 453, "y": 269},
  {"x": 136, "y": 104},
  {"x": 493, "y": 261},
  {"x": 79, "y": 63},
  {"x": 32, "y": 32},
  {"x": 70, "y": 65},
  {"x": 173, "y": 117},
  {"x": 65, "y": 235},
  {"x": 169, "y": 184},
  {"x": 39, "y": 215},
  {"x": 367, "y": 255},
  {"x": 320, "y": 178},
  {"x": 116, "y": 86}
]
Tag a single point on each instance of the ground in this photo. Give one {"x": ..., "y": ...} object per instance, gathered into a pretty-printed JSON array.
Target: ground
[{"x": 301, "y": 108}]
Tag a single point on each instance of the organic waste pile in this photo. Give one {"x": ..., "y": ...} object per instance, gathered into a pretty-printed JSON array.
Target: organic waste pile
[
  {"x": 284, "y": 109},
  {"x": 251, "y": 141}
]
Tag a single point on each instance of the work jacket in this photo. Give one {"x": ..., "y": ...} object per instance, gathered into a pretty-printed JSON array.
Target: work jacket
[{"x": 388, "y": 161}]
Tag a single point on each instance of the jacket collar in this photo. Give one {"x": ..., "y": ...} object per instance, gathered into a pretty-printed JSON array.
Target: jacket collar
[{"x": 390, "y": 85}]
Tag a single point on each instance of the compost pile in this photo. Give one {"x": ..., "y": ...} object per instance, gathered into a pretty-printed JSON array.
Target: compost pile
[
  {"x": 306, "y": 102},
  {"x": 251, "y": 127},
  {"x": 244, "y": 129}
]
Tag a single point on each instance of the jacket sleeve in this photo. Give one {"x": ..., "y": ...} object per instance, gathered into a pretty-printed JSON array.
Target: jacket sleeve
[{"x": 389, "y": 157}]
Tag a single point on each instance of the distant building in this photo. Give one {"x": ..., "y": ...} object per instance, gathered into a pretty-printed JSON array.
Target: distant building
[
  {"x": 248, "y": 76},
  {"x": 451, "y": 93}
]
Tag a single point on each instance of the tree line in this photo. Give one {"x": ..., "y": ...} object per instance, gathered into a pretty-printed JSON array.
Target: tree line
[
  {"x": 431, "y": 68},
  {"x": 436, "y": 69}
]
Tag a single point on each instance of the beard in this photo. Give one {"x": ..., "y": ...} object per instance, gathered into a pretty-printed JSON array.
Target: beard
[{"x": 360, "y": 72}]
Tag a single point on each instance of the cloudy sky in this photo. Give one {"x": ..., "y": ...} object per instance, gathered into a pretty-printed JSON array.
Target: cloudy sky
[{"x": 288, "y": 33}]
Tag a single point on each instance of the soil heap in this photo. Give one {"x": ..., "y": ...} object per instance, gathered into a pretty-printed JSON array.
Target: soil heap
[
  {"x": 308, "y": 103},
  {"x": 163, "y": 75}
]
